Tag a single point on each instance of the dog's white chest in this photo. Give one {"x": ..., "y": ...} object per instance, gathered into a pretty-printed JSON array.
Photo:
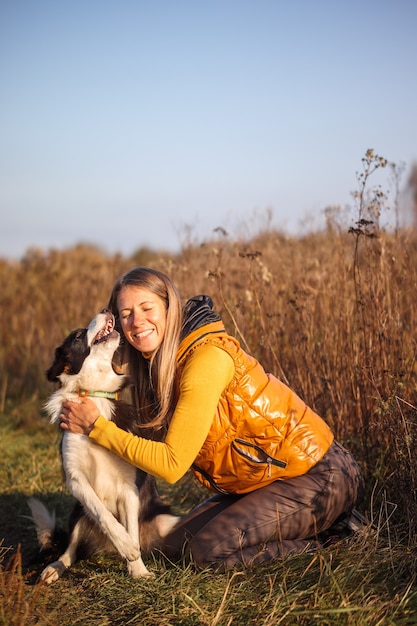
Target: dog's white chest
[{"x": 107, "y": 473}]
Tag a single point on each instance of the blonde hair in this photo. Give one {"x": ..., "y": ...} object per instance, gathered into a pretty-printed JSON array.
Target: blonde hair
[{"x": 154, "y": 391}]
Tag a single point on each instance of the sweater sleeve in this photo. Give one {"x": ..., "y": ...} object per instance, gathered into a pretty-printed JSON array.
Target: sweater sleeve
[{"x": 206, "y": 373}]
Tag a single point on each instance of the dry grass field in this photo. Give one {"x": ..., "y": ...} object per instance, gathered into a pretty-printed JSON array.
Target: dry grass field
[{"x": 333, "y": 314}]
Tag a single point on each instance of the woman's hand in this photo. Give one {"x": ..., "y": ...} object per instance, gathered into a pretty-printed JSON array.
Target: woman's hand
[{"x": 79, "y": 417}]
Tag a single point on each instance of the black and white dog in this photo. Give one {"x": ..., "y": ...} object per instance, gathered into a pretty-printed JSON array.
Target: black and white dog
[{"x": 118, "y": 507}]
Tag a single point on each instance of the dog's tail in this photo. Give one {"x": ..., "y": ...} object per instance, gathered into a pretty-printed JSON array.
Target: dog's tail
[{"x": 50, "y": 538}]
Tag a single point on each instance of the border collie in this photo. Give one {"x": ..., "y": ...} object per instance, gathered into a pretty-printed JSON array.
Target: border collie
[{"x": 118, "y": 507}]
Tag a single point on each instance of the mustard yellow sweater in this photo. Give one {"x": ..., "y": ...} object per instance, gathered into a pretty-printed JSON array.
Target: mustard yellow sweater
[{"x": 207, "y": 372}]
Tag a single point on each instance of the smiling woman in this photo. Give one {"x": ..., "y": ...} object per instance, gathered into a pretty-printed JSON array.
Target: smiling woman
[{"x": 280, "y": 478}]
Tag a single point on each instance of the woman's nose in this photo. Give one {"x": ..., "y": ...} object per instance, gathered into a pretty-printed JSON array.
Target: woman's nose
[{"x": 138, "y": 317}]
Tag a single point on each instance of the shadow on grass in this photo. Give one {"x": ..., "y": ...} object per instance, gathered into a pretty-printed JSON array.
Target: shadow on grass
[{"x": 17, "y": 527}]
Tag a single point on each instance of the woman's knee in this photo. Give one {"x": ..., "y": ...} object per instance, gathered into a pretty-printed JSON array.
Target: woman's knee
[{"x": 350, "y": 480}]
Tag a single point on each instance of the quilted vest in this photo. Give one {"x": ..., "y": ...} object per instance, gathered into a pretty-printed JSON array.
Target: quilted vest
[{"x": 261, "y": 431}]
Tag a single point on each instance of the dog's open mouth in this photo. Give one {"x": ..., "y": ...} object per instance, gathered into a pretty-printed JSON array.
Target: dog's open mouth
[{"x": 104, "y": 333}]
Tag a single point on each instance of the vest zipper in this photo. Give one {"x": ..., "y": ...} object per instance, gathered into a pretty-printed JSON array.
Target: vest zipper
[
  {"x": 269, "y": 460},
  {"x": 210, "y": 480}
]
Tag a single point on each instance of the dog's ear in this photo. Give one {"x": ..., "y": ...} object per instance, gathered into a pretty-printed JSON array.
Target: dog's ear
[
  {"x": 57, "y": 366},
  {"x": 70, "y": 356}
]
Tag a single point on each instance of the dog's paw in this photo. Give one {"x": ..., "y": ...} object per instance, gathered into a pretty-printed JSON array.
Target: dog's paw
[
  {"x": 130, "y": 552},
  {"x": 51, "y": 573},
  {"x": 137, "y": 569},
  {"x": 127, "y": 548}
]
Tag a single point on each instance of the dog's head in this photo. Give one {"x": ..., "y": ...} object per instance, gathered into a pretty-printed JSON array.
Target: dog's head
[{"x": 84, "y": 359}]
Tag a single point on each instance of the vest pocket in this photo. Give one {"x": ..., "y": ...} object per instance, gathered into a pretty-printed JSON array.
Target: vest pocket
[
  {"x": 256, "y": 454},
  {"x": 210, "y": 482}
]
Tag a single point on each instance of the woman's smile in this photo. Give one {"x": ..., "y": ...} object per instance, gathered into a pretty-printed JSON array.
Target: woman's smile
[{"x": 144, "y": 333}]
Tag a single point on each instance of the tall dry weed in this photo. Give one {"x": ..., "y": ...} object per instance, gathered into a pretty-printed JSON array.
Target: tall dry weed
[{"x": 19, "y": 604}]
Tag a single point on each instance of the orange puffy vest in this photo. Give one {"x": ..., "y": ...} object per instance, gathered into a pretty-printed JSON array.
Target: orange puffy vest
[{"x": 261, "y": 432}]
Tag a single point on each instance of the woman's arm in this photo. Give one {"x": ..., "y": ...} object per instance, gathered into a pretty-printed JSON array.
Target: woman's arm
[{"x": 206, "y": 374}]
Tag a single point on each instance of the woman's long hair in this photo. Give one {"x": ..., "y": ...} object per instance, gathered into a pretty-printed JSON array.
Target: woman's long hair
[{"x": 154, "y": 390}]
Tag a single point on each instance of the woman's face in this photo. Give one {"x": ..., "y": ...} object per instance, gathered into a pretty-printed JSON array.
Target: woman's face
[{"x": 142, "y": 317}]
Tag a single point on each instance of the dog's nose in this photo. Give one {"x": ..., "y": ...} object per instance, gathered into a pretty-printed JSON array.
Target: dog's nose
[{"x": 105, "y": 310}]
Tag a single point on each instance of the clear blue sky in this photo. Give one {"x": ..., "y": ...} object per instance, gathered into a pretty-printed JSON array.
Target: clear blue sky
[{"x": 128, "y": 123}]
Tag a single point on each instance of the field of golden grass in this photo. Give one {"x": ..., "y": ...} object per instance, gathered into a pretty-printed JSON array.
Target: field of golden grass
[{"x": 334, "y": 315}]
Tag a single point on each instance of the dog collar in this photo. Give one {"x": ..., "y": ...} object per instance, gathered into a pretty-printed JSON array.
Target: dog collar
[{"x": 110, "y": 395}]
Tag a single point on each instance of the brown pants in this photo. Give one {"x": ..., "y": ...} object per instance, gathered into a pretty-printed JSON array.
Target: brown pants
[{"x": 271, "y": 522}]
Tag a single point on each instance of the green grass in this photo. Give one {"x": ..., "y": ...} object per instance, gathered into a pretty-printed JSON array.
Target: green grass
[{"x": 364, "y": 580}]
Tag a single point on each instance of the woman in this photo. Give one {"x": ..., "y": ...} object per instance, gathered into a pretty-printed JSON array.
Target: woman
[{"x": 281, "y": 479}]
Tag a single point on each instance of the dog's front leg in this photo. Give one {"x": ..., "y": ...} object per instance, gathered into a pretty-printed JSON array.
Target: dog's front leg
[
  {"x": 129, "y": 517},
  {"x": 97, "y": 511}
]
